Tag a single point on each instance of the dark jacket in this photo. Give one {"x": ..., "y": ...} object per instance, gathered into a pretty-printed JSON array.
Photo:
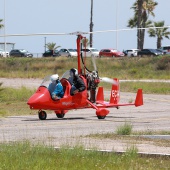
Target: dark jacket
[{"x": 79, "y": 83}]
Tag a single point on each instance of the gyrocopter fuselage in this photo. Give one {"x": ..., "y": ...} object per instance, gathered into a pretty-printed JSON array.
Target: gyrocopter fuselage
[{"x": 41, "y": 100}]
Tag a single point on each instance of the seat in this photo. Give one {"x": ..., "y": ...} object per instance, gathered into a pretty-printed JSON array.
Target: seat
[{"x": 66, "y": 87}]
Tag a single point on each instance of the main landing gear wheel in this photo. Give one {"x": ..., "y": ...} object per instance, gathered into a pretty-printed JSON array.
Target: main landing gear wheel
[
  {"x": 60, "y": 115},
  {"x": 42, "y": 115},
  {"x": 101, "y": 117}
]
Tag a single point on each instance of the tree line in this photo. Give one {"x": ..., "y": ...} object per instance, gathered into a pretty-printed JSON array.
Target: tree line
[{"x": 143, "y": 9}]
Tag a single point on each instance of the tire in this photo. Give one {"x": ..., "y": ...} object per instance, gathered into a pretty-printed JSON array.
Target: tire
[
  {"x": 101, "y": 117},
  {"x": 42, "y": 115},
  {"x": 60, "y": 115}
]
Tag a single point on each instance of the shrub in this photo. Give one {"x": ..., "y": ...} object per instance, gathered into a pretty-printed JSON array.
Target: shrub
[{"x": 163, "y": 64}]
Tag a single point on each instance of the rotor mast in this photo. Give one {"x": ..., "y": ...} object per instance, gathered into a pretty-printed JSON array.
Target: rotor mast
[{"x": 79, "y": 38}]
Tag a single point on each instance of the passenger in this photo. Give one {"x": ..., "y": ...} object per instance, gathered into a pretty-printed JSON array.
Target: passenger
[
  {"x": 56, "y": 88},
  {"x": 77, "y": 84}
]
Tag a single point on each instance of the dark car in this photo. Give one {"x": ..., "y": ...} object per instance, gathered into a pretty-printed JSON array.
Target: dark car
[
  {"x": 149, "y": 52},
  {"x": 51, "y": 53},
  {"x": 20, "y": 53},
  {"x": 125, "y": 52}
]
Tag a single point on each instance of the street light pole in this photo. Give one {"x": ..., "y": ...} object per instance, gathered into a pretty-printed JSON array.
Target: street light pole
[
  {"x": 117, "y": 24},
  {"x": 4, "y": 28},
  {"x": 45, "y": 44}
]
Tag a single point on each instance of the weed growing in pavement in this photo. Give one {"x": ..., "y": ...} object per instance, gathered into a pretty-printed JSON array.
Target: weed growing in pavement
[{"x": 125, "y": 129}]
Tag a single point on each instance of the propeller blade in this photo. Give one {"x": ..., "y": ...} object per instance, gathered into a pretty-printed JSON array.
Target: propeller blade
[
  {"x": 108, "y": 80},
  {"x": 94, "y": 63}
]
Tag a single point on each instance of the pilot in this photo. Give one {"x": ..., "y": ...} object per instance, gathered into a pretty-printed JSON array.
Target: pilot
[
  {"x": 55, "y": 87},
  {"x": 77, "y": 83}
]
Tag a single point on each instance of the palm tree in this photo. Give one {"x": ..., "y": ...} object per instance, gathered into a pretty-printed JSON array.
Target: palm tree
[
  {"x": 1, "y": 25},
  {"x": 91, "y": 24},
  {"x": 142, "y": 10},
  {"x": 159, "y": 32},
  {"x": 52, "y": 46}
]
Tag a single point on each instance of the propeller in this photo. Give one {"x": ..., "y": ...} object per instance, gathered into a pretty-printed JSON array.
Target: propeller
[
  {"x": 103, "y": 79},
  {"x": 108, "y": 80},
  {"x": 94, "y": 63}
]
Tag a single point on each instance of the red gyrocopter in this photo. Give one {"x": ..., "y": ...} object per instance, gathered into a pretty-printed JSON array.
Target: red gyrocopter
[{"x": 41, "y": 100}]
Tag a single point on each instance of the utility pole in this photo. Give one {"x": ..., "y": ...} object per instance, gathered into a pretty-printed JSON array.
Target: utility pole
[
  {"x": 45, "y": 44},
  {"x": 117, "y": 24},
  {"x": 5, "y": 28},
  {"x": 91, "y": 24}
]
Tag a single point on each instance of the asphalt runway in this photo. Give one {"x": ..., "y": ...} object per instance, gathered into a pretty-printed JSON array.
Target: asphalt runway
[{"x": 73, "y": 129}]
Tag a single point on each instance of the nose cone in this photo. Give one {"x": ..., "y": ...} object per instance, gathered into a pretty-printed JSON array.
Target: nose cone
[
  {"x": 35, "y": 99},
  {"x": 39, "y": 99}
]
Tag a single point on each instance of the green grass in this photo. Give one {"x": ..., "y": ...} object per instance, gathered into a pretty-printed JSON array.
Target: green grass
[
  {"x": 148, "y": 87},
  {"x": 15, "y": 95},
  {"x": 14, "y": 101},
  {"x": 124, "y": 68},
  {"x": 23, "y": 155}
]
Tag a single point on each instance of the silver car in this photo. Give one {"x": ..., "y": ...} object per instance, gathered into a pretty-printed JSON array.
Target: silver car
[
  {"x": 90, "y": 52},
  {"x": 67, "y": 52},
  {"x": 132, "y": 52}
]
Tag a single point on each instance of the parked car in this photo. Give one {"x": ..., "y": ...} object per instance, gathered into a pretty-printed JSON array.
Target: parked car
[
  {"x": 161, "y": 51},
  {"x": 20, "y": 53},
  {"x": 149, "y": 52},
  {"x": 2, "y": 53},
  {"x": 131, "y": 53},
  {"x": 90, "y": 52},
  {"x": 51, "y": 53},
  {"x": 125, "y": 52},
  {"x": 165, "y": 49},
  {"x": 110, "y": 53},
  {"x": 67, "y": 52}
]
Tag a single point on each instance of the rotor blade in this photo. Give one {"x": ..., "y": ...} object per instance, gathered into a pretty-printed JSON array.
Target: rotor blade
[
  {"x": 108, "y": 80},
  {"x": 94, "y": 63}
]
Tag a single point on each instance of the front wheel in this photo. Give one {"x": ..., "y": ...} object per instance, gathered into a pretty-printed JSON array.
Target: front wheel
[
  {"x": 101, "y": 117},
  {"x": 60, "y": 115},
  {"x": 42, "y": 115}
]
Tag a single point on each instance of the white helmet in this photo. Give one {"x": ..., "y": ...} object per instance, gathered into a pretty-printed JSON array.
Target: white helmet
[
  {"x": 54, "y": 77},
  {"x": 74, "y": 71}
]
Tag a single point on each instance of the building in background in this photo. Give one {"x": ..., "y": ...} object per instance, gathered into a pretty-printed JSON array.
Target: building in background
[{"x": 9, "y": 46}]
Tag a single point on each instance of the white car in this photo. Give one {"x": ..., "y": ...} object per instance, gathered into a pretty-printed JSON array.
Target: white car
[
  {"x": 2, "y": 53},
  {"x": 132, "y": 52},
  {"x": 67, "y": 52},
  {"x": 90, "y": 52}
]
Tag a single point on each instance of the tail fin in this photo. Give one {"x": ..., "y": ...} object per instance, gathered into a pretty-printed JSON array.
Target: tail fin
[
  {"x": 139, "y": 98},
  {"x": 100, "y": 94},
  {"x": 115, "y": 93}
]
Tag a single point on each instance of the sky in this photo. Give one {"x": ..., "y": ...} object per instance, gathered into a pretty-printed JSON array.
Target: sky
[{"x": 66, "y": 16}]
